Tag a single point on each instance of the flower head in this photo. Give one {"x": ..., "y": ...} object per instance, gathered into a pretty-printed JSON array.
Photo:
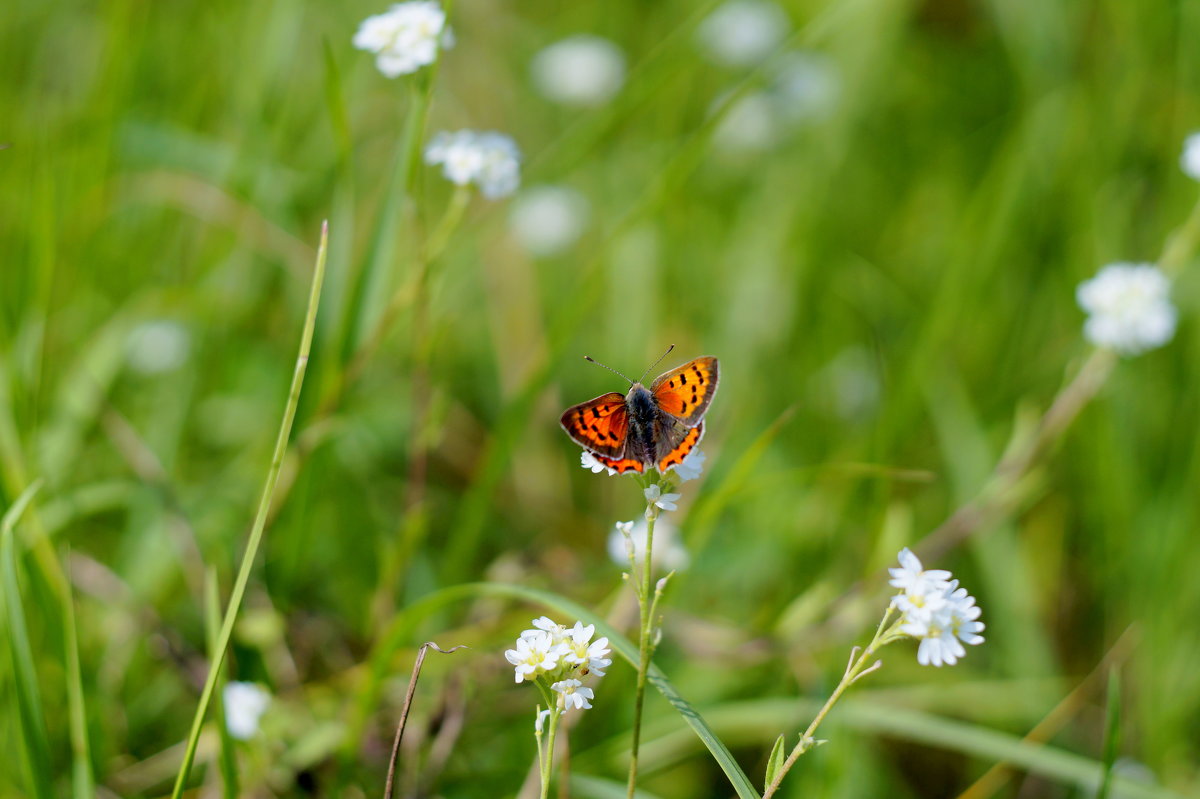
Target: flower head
[
  {"x": 1129, "y": 308},
  {"x": 244, "y": 703},
  {"x": 404, "y": 38},
  {"x": 1189, "y": 161},
  {"x": 743, "y": 32},
  {"x": 935, "y": 610},
  {"x": 536, "y": 653},
  {"x": 656, "y": 498},
  {"x": 580, "y": 70},
  {"x": 589, "y": 461},
  {"x": 914, "y": 579},
  {"x": 488, "y": 160},
  {"x": 571, "y": 693},
  {"x": 589, "y": 655}
]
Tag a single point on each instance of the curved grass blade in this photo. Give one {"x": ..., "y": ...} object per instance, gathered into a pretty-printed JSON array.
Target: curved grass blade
[{"x": 83, "y": 783}]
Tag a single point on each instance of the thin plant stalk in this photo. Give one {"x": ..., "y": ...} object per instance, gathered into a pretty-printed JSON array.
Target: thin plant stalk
[
  {"x": 260, "y": 519},
  {"x": 645, "y": 646}
]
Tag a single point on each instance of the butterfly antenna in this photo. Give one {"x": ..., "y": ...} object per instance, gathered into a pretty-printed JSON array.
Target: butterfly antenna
[
  {"x": 656, "y": 363},
  {"x": 606, "y": 366}
]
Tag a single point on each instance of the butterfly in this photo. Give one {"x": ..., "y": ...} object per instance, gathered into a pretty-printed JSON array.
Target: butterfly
[{"x": 653, "y": 427}]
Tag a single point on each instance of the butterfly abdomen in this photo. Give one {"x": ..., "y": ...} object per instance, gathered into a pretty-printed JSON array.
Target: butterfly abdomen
[{"x": 643, "y": 411}]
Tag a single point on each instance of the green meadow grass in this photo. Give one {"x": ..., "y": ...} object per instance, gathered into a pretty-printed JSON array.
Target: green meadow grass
[{"x": 890, "y": 290}]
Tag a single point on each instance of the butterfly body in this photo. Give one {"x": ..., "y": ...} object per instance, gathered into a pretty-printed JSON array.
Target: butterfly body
[{"x": 649, "y": 427}]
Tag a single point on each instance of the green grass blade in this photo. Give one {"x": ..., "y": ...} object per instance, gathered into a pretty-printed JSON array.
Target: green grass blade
[
  {"x": 83, "y": 783},
  {"x": 35, "y": 750},
  {"x": 401, "y": 629},
  {"x": 212, "y": 631},
  {"x": 1112, "y": 733},
  {"x": 589, "y": 787},
  {"x": 260, "y": 519}
]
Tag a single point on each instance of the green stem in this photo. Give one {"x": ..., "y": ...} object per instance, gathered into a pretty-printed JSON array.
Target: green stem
[
  {"x": 644, "y": 648},
  {"x": 260, "y": 519},
  {"x": 857, "y": 668},
  {"x": 547, "y": 761}
]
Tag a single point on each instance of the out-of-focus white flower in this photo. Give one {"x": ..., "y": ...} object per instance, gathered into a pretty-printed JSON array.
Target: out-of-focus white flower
[
  {"x": 535, "y": 654},
  {"x": 806, "y": 87},
  {"x": 669, "y": 551},
  {"x": 1129, "y": 308},
  {"x": 157, "y": 346},
  {"x": 1189, "y": 161},
  {"x": 547, "y": 625},
  {"x": 571, "y": 693},
  {"x": 743, "y": 32},
  {"x": 580, "y": 70},
  {"x": 488, "y": 160},
  {"x": 582, "y": 651},
  {"x": 655, "y": 497},
  {"x": 548, "y": 219},
  {"x": 244, "y": 704},
  {"x": 692, "y": 465},
  {"x": 750, "y": 125},
  {"x": 588, "y": 461},
  {"x": 935, "y": 610},
  {"x": 404, "y": 38}
]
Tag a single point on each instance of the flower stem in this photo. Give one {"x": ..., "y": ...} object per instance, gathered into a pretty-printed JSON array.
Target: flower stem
[
  {"x": 548, "y": 757},
  {"x": 856, "y": 668},
  {"x": 645, "y": 647}
]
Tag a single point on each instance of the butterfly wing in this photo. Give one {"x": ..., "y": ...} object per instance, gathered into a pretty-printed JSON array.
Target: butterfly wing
[
  {"x": 675, "y": 456},
  {"x": 622, "y": 465},
  {"x": 686, "y": 392},
  {"x": 599, "y": 425}
]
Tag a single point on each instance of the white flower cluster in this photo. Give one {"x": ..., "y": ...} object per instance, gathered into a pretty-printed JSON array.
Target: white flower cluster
[
  {"x": 690, "y": 468},
  {"x": 489, "y": 160},
  {"x": 559, "y": 655},
  {"x": 935, "y": 610},
  {"x": 404, "y": 38},
  {"x": 1129, "y": 308},
  {"x": 580, "y": 70}
]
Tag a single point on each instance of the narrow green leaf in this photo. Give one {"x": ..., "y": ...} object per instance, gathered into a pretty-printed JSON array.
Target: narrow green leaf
[
  {"x": 227, "y": 759},
  {"x": 35, "y": 750},
  {"x": 775, "y": 761},
  {"x": 589, "y": 787},
  {"x": 83, "y": 784},
  {"x": 1112, "y": 732}
]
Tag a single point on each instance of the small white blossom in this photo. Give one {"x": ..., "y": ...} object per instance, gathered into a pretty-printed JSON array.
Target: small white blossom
[
  {"x": 488, "y": 160},
  {"x": 588, "y": 461},
  {"x": 579, "y": 70},
  {"x": 655, "y": 497},
  {"x": 244, "y": 703},
  {"x": 1190, "y": 159},
  {"x": 158, "y": 346},
  {"x": 743, "y": 32},
  {"x": 692, "y": 465},
  {"x": 536, "y": 653},
  {"x": 540, "y": 721},
  {"x": 935, "y": 610},
  {"x": 404, "y": 38},
  {"x": 669, "y": 551},
  {"x": 914, "y": 579},
  {"x": 547, "y": 220},
  {"x": 581, "y": 650},
  {"x": 571, "y": 693},
  {"x": 1129, "y": 308}
]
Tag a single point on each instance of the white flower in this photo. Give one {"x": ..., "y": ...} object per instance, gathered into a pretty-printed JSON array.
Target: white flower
[
  {"x": 544, "y": 624},
  {"x": 935, "y": 610},
  {"x": 540, "y": 721},
  {"x": 913, "y": 579},
  {"x": 655, "y": 497},
  {"x": 571, "y": 693},
  {"x": 536, "y": 653},
  {"x": 669, "y": 551},
  {"x": 548, "y": 219},
  {"x": 404, "y": 38},
  {"x": 583, "y": 651},
  {"x": 692, "y": 465},
  {"x": 1128, "y": 308},
  {"x": 489, "y": 160},
  {"x": 589, "y": 461},
  {"x": 157, "y": 346},
  {"x": 1190, "y": 160},
  {"x": 580, "y": 70},
  {"x": 244, "y": 703},
  {"x": 743, "y": 32}
]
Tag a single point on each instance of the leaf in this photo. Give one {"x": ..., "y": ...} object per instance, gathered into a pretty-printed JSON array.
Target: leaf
[
  {"x": 1112, "y": 733},
  {"x": 775, "y": 761}
]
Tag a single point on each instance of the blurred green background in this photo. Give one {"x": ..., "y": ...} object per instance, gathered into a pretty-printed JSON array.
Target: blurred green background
[{"x": 886, "y": 277}]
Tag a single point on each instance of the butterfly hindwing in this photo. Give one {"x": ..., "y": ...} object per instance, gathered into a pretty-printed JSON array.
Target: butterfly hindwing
[
  {"x": 622, "y": 465},
  {"x": 686, "y": 392},
  {"x": 676, "y": 456},
  {"x": 600, "y": 425}
]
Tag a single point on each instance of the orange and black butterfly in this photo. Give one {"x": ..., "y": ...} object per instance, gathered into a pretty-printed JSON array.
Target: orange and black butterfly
[{"x": 652, "y": 427}]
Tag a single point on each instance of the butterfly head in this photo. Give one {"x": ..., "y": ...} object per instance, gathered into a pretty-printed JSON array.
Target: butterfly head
[{"x": 640, "y": 401}]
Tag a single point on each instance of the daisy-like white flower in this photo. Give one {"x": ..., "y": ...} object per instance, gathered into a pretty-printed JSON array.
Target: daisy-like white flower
[
  {"x": 588, "y": 461},
  {"x": 580, "y": 70},
  {"x": 935, "y": 610},
  {"x": 245, "y": 703},
  {"x": 536, "y": 653},
  {"x": 404, "y": 38},
  {"x": 669, "y": 551},
  {"x": 571, "y": 693},
  {"x": 1189, "y": 161},
  {"x": 488, "y": 160},
  {"x": 583, "y": 651},
  {"x": 655, "y": 496},
  {"x": 913, "y": 579},
  {"x": 692, "y": 465},
  {"x": 1129, "y": 308},
  {"x": 743, "y": 32},
  {"x": 547, "y": 220}
]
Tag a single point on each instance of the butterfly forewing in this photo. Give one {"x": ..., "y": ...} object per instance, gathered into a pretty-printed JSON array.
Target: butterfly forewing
[
  {"x": 686, "y": 392},
  {"x": 600, "y": 425}
]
